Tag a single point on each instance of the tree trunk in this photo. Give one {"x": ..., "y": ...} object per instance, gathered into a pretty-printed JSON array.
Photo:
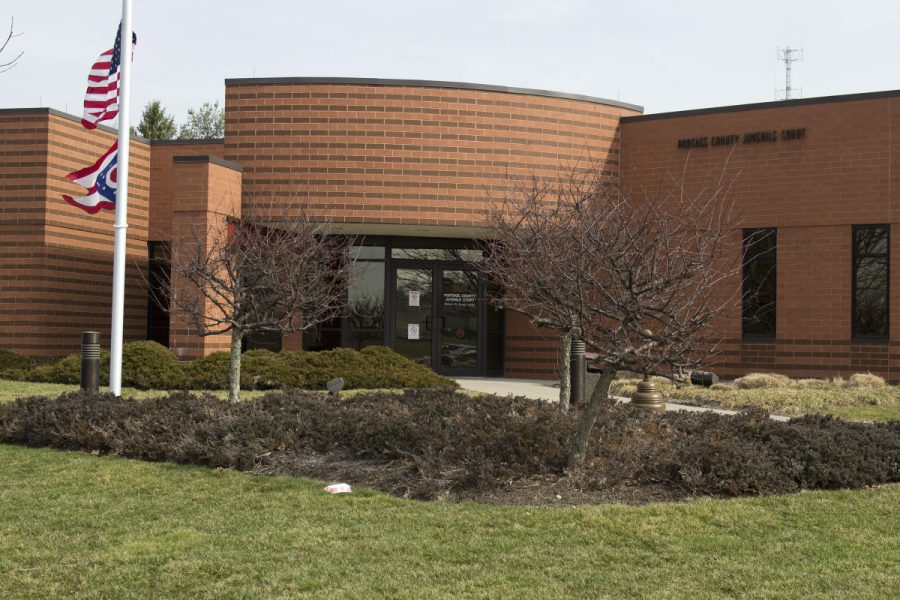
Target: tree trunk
[
  {"x": 578, "y": 447},
  {"x": 565, "y": 383},
  {"x": 234, "y": 375}
]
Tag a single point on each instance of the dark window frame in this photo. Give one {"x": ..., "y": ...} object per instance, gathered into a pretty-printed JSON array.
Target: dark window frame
[
  {"x": 769, "y": 256},
  {"x": 159, "y": 277},
  {"x": 854, "y": 264}
]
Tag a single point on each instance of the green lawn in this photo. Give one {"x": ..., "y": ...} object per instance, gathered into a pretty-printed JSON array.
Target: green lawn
[
  {"x": 884, "y": 412},
  {"x": 79, "y": 526},
  {"x": 10, "y": 390}
]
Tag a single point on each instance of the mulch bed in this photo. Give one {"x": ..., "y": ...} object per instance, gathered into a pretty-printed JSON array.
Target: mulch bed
[{"x": 443, "y": 445}]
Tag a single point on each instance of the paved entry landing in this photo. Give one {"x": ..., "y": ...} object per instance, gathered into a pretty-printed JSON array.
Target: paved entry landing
[{"x": 535, "y": 389}]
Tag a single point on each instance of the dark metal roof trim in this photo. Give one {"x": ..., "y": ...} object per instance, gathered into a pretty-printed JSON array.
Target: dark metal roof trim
[
  {"x": 209, "y": 159},
  {"x": 178, "y": 142},
  {"x": 428, "y": 84},
  {"x": 763, "y": 105}
]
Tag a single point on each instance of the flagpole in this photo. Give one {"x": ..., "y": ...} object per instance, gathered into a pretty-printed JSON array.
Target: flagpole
[{"x": 121, "y": 223}]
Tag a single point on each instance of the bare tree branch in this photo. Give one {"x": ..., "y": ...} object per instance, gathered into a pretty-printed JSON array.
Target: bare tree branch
[
  {"x": 12, "y": 34},
  {"x": 251, "y": 275},
  {"x": 641, "y": 282}
]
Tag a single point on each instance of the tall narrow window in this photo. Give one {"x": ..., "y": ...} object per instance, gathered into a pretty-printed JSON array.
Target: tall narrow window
[
  {"x": 871, "y": 244},
  {"x": 758, "y": 318},
  {"x": 159, "y": 274}
]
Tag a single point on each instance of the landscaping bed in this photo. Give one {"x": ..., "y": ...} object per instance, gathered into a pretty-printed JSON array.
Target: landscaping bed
[
  {"x": 445, "y": 445},
  {"x": 861, "y": 395}
]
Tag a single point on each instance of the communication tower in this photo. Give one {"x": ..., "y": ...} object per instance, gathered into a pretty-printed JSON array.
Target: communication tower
[{"x": 788, "y": 56}]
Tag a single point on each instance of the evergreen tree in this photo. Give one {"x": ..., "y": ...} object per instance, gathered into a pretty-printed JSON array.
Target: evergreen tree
[
  {"x": 206, "y": 122},
  {"x": 155, "y": 123}
]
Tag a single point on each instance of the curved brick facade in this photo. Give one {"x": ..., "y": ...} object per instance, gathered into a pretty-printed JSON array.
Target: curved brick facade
[{"x": 405, "y": 153}]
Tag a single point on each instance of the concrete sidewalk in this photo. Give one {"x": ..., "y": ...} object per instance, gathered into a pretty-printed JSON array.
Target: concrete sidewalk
[{"x": 538, "y": 389}]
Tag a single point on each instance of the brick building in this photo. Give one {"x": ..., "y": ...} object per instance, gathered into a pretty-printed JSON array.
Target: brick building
[{"x": 408, "y": 166}]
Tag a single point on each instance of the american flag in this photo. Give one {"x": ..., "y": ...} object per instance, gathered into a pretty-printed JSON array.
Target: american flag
[
  {"x": 101, "y": 101},
  {"x": 100, "y": 181}
]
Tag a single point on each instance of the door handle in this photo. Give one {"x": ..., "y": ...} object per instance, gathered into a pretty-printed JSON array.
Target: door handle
[{"x": 428, "y": 323}]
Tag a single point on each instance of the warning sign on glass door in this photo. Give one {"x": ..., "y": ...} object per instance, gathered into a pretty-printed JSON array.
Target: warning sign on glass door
[
  {"x": 412, "y": 331},
  {"x": 414, "y": 298}
]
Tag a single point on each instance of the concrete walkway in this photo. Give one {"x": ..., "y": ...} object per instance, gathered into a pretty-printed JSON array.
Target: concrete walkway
[{"x": 538, "y": 389}]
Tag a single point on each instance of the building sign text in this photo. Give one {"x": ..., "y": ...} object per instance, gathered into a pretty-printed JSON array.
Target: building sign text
[{"x": 750, "y": 137}]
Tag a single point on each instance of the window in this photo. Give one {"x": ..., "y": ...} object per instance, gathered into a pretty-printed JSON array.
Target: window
[
  {"x": 871, "y": 244},
  {"x": 363, "y": 323},
  {"x": 159, "y": 274},
  {"x": 758, "y": 317}
]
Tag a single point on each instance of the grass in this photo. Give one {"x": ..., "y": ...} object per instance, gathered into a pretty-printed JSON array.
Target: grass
[
  {"x": 10, "y": 390},
  {"x": 797, "y": 397},
  {"x": 79, "y": 526}
]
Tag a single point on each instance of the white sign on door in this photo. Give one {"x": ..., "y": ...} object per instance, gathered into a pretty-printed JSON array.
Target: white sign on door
[
  {"x": 412, "y": 331},
  {"x": 414, "y": 298}
]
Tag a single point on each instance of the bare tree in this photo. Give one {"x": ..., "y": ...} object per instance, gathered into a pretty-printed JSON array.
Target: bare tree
[
  {"x": 639, "y": 281},
  {"x": 6, "y": 66},
  {"x": 249, "y": 275}
]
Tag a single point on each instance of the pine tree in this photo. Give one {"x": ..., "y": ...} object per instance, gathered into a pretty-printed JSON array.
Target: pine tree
[{"x": 155, "y": 123}]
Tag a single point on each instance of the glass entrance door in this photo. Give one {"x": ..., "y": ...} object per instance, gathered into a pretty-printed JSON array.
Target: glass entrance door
[
  {"x": 457, "y": 316},
  {"x": 414, "y": 314},
  {"x": 437, "y": 317}
]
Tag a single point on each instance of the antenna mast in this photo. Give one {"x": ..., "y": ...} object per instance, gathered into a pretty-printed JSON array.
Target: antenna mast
[{"x": 787, "y": 56}]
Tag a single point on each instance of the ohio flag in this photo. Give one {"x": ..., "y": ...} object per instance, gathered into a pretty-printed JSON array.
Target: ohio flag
[{"x": 100, "y": 181}]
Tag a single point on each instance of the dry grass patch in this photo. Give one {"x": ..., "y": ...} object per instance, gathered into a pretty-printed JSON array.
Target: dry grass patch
[{"x": 772, "y": 392}]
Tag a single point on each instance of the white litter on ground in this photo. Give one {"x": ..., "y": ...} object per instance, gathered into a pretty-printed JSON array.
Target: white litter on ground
[{"x": 338, "y": 488}]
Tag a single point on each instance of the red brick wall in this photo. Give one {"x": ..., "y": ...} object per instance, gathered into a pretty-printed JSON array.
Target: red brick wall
[
  {"x": 55, "y": 260},
  {"x": 163, "y": 182},
  {"x": 409, "y": 157},
  {"x": 843, "y": 172},
  {"x": 206, "y": 195},
  {"x": 395, "y": 154}
]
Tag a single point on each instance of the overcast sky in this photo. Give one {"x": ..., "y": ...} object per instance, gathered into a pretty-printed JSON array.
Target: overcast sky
[{"x": 664, "y": 55}]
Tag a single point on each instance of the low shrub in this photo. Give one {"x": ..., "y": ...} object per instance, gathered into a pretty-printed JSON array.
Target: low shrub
[
  {"x": 208, "y": 373},
  {"x": 372, "y": 367},
  {"x": 762, "y": 380},
  {"x": 67, "y": 370},
  {"x": 438, "y": 442},
  {"x": 148, "y": 365},
  {"x": 12, "y": 363}
]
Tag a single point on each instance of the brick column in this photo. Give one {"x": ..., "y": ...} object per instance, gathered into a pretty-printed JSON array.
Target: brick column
[{"x": 207, "y": 192}]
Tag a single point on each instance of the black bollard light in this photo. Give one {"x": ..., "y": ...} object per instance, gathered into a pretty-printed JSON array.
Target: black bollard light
[
  {"x": 90, "y": 361},
  {"x": 576, "y": 372}
]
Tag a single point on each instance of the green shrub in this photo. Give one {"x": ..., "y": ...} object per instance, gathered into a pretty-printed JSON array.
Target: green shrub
[
  {"x": 263, "y": 370},
  {"x": 372, "y": 367},
  {"x": 148, "y": 365},
  {"x": 67, "y": 370},
  {"x": 208, "y": 373},
  {"x": 12, "y": 361},
  {"x": 15, "y": 374}
]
